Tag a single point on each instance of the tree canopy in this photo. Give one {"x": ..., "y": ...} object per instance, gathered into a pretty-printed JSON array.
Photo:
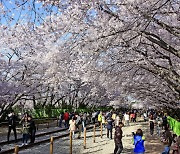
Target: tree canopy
[{"x": 90, "y": 51}]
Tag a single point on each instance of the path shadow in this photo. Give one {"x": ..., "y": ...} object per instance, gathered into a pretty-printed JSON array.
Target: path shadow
[
  {"x": 96, "y": 146},
  {"x": 127, "y": 151},
  {"x": 100, "y": 141},
  {"x": 153, "y": 145},
  {"x": 95, "y": 151}
]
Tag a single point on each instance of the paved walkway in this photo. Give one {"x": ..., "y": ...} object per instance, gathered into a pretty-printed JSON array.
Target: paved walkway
[{"x": 102, "y": 145}]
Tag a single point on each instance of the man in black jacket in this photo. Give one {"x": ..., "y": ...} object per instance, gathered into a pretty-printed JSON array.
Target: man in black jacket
[
  {"x": 32, "y": 129},
  {"x": 12, "y": 125},
  {"x": 118, "y": 139},
  {"x": 109, "y": 126}
]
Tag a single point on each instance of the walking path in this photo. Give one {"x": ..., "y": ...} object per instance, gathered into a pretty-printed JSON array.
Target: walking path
[
  {"x": 102, "y": 145},
  {"x": 106, "y": 146}
]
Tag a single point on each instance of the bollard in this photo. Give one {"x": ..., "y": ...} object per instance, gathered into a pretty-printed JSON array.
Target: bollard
[
  {"x": 84, "y": 138},
  {"x": 51, "y": 145},
  {"x": 70, "y": 142},
  {"x": 94, "y": 135},
  {"x": 101, "y": 130},
  {"x": 16, "y": 150}
]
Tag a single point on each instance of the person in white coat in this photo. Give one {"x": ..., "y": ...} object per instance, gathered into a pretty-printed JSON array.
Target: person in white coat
[{"x": 126, "y": 119}]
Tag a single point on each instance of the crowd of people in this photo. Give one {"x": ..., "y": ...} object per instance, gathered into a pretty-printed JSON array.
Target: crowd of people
[
  {"x": 157, "y": 121},
  {"x": 28, "y": 127},
  {"x": 109, "y": 121},
  {"x": 163, "y": 132}
]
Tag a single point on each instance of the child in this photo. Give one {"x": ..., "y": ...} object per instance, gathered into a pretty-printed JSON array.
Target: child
[{"x": 139, "y": 142}]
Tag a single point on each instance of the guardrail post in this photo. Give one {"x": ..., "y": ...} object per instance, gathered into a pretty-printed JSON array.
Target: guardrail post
[
  {"x": 16, "y": 150},
  {"x": 101, "y": 130},
  {"x": 51, "y": 145},
  {"x": 84, "y": 138},
  {"x": 70, "y": 142},
  {"x": 94, "y": 134}
]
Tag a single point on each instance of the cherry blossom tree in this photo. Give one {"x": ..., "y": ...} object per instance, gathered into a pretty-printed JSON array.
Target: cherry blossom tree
[{"x": 93, "y": 51}]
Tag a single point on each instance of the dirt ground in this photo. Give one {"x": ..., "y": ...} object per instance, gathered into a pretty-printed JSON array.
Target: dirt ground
[{"x": 106, "y": 146}]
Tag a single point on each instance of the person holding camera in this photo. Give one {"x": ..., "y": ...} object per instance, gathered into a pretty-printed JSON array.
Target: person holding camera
[
  {"x": 139, "y": 142},
  {"x": 25, "y": 128}
]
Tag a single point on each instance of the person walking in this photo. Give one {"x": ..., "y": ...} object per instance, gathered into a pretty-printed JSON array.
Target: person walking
[
  {"x": 131, "y": 116},
  {"x": 103, "y": 121},
  {"x": 134, "y": 116},
  {"x": 117, "y": 120},
  {"x": 126, "y": 119},
  {"x": 61, "y": 117},
  {"x": 158, "y": 125},
  {"x": 84, "y": 121},
  {"x": 100, "y": 118},
  {"x": 66, "y": 119},
  {"x": 109, "y": 126},
  {"x": 32, "y": 129},
  {"x": 164, "y": 121},
  {"x": 151, "y": 125},
  {"x": 139, "y": 142},
  {"x": 12, "y": 118},
  {"x": 145, "y": 116},
  {"x": 114, "y": 116},
  {"x": 167, "y": 140},
  {"x": 79, "y": 124},
  {"x": 72, "y": 126},
  {"x": 94, "y": 117},
  {"x": 176, "y": 145},
  {"x": 118, "y": 138}
]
